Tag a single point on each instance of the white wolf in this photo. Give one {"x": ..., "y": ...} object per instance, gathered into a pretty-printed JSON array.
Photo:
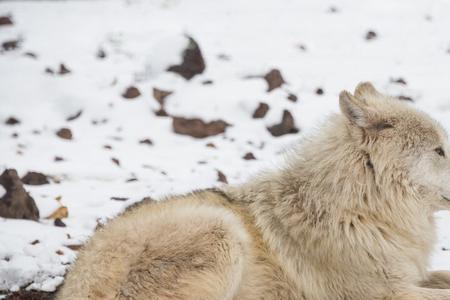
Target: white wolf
[{"x": 349, "y": 218}]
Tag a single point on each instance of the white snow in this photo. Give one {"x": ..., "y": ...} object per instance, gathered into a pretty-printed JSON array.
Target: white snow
[{"x": 141, "y": 38}]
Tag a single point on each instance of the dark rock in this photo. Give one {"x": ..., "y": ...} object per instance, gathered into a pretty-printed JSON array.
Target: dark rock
[
  {"x": 370, "y": 35},
  {"x": 207, "y": 82},
  {"x": 64, "y": 133},
  {"x": 161, "y": 113},
  {"x": 49, "y": 70},
  {"x": 6, "y": 20},
  {"x": 221, "y": 177},
  {"x": 115, "y": 161},
  {"x": 261, "y": 111},
  {"x": 292, "y": 97},
  {"x": 249, "y": 156},
  {"x": 58, "y": 158},
  {"x": 131, "y": 93},
  {"x": 320, "y": 91},
  {"x": 399, "y": 80},
  {"x": 405, "y": 98},
  {"x": 63, "y": 70},
  {"x": 30, "y": 54},
  {"x": 75, "y": 116},
  {"x": 12, "y": 121},
  {"x": 59, "y": 223},
  {"x": 16, "y": 203},
  {"x": 10, "y": 45},
  {"x": 286, "y": 126},
  {"x": 146, "y": 142},
  {"x": 35, "y": 178},
  {"x": 193, "y": 62},
  {"x": 274, "y": 79},
  {"x": 119, "y": 198},
  {"x": 198, "y": 128},
  {"x": 101, "y": 53},
  {"x": 160, "y": 95}
]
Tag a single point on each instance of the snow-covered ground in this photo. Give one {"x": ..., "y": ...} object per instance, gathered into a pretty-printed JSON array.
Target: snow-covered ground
[{"x": 314, "y": 43}]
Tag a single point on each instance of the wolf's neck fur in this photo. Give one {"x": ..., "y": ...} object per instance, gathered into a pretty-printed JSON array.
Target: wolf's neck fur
[{"x": 332, "y": 194}]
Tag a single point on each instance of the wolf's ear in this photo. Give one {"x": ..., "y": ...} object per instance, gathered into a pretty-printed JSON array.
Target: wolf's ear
[
  {"x": 365, "y": 89},
  {"x": 357, "y": 111}
]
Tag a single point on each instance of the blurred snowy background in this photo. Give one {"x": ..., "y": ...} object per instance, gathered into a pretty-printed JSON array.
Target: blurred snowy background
[{"x": 113, "y": 101}]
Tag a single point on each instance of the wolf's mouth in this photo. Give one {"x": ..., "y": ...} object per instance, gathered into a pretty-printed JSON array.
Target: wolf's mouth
[{"x": 445, "y": 198}]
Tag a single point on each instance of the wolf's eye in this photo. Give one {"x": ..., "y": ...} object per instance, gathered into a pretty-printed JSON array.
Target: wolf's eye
[{"x": 439, "y": 151}]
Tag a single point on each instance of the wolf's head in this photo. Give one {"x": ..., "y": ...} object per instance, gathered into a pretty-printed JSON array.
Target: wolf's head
[{"x": 397, "y": 137}]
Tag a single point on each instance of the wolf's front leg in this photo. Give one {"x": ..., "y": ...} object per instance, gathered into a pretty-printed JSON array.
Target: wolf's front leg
[{"x": 437, "y": 280}]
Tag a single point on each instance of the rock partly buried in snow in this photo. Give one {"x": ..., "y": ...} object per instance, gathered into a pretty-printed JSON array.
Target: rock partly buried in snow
[
  {"x": 64, "y": 133},
  {"x": 292, "y": 97},
  {"x": 286, "y": 126},
  {"x": 16, "y": 203},
  {"x": 405, "y": 98},
  {"x": 35, "y": 178},
  {"x": 261, "y": 110},
  {"x": 74, "y": 116},
  {"x": 131, "y": 92},
  {"x": 249, "y": 156},
  {"x": 198, "y": 128},
  {"x": 193, "y": 62},
  {"x": 10, "y": 45},
  {"x": 12, "y": 121},
  {"x": 160, "y": 95},
  {"x": 5, "y": 20},
  {"x": 371, "y": 35},
  {"x": 63, "y": 69},
  {"x": 320, "y": 91},
  {"x": 274, "y": 79},
  {"x": 221, "y": 177}
]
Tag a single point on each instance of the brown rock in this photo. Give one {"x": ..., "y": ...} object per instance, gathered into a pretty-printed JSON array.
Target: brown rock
[
  {"x": 221, "y": 177},
  {"x": 261, "y": 110},
  {"x": 193, "y": 62},
  {"x": 161, "y": 113},
  {"x": 5, "y": 20},
  {"x": 160, "y": 95},
  {"x": 16, "y": 203},
  {"x": 12, "y": 121},
  {"x": 274, "y": 79},
  {"x": 131, "y": 93},
  {"x": 64, "y": 133},
  {"x": 286, "y": 126},
  {"x": 249, "y": 156},
  {"x": 198, "y": 128},
  {"x": 35, "y": 178},
  {"x": 292, "y": 97},
  {"x": 74, "y": 247},
  {"x": 211, "y": 145}
]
